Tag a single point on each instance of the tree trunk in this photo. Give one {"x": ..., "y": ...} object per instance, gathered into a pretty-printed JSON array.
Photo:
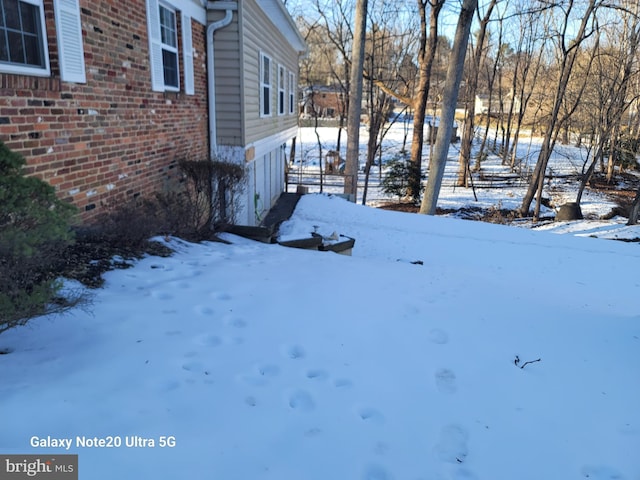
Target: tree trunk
[
  {"x": 449, "y": 101},
  {"x": 426, "y": 56},
  {"x": 355, "y": 103},
  {"x": 468, "y": 128}
]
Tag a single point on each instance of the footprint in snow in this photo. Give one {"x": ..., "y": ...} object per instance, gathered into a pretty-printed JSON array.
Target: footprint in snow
[
  {"x": 445, "y": 381},
  {"x": 260, "y": 376},
  {"x": 301, "y": 401},
  {"x": 439, "y": 337},
  {"x": 203, "y": 310},
  {"x": 161, "y": 295},
  {"x": 376, "y": 472},
  {"x": 452, "y": 445},
  {"x": 195, "y": 367},
  {"x": 220, "y": 295},
  {"x": 317, "y": 375},
  {"x": 370, "y": 415},
  {"x": 208, "y": 340},
  {"x": 294, "y": 352},
  {"x": 342, "y": 383},
  {"x": 237, "y": 323}
]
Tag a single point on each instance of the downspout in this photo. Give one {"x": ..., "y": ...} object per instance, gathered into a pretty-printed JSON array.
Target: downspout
[{"x": 213, "y": 137}]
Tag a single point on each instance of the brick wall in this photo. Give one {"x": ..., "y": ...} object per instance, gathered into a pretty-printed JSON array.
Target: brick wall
[{"x": 111, "y": 139}]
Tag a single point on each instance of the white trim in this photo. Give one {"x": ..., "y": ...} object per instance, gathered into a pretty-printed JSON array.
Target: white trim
[
  {"x": 155, "y": 46},
  {"x": 19, "y": 69},
  {"x": 171, "y": 48},
  {"x": 191, "y": 8},
  {"x": 292, "y": 93},
  {"x": 268, "y": 144},
  {"x": 282, "y": 91},
  {"x": 266, "y": 85},
  {"x": 187, "y": 55},
  {"x": 70, "y": 45}
]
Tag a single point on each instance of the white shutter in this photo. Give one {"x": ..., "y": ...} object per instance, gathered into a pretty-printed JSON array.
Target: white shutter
[
  {"x": 155, "y": 46},
  {"x": 69, "y": 34},
  {"x": 187, "y": 45}
]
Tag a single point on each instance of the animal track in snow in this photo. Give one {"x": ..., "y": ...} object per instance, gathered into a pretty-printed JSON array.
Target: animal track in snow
[
  {"x": 438, "y": 336},
  {"x": 452, "y": 445},
  {"x": 446, "y": 381}
]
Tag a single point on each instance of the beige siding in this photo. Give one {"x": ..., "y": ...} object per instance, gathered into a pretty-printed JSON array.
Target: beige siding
[
  {"x": 228, "y": 87},
  {"x": 259, "y": 35}
]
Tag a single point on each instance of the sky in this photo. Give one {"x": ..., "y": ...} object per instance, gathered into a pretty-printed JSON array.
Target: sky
[{"x": 440, "y": 349}]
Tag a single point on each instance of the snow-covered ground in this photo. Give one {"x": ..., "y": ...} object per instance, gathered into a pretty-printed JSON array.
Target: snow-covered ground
[
  {"x": 408, "y": 360},
  {"x": 566, "y": 160}
]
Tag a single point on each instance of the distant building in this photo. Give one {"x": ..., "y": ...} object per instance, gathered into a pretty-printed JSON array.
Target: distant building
[{"x": 322, "y": 101}]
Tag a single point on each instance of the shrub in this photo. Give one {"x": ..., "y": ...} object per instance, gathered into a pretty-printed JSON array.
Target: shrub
[
  {"x": 402, "y": 179},
  {"x": 34, "y": 230}
]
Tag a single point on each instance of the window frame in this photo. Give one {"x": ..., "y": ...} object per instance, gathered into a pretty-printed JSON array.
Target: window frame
[
  {"x": 292, "y": 96},
  {"x": 265, "y": 86},
  {"x": 168, "y": 47},
  {"x": 282, "y": 94},
  {"x": 33, "y": 70}
]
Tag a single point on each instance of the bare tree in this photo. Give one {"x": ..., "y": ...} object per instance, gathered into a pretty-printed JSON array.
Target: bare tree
[
  {"x": 355, "y": 104},
  {"x": 568, "y": 49},
  {"x": 449, "y": 101}
]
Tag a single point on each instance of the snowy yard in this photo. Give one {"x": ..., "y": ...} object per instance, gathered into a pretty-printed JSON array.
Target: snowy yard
[{"x": 442, "y": 349}]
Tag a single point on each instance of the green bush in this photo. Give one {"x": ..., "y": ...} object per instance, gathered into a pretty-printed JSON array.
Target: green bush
[
  {"x": 34, "y": 230},
  {"x": 402, "y": 179}
]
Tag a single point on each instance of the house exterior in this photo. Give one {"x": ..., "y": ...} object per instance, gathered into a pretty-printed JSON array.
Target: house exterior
[
  {"x": 103, "y": 98},
  {"x": 256, "y": 48},
  {"x": 323, "y": 101}
]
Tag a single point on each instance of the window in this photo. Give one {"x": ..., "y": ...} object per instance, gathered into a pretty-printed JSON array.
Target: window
[
  {"x": 169, "y": 41},
  {"x": 265, "y": 85},
  {"x": 162, "y": 28},
  {"x": 281, "y": 92},
  {"x": 23, "y": 48},
  {"x": 292, "y": 93}
]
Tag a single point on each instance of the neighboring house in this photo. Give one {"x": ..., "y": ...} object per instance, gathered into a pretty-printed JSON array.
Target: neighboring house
[
  {"x": 322, "y": 101},
  {"x": 103, "y": 98},
  {"x": 256, "y": 48},
  {"x": 484, "y": 107}
]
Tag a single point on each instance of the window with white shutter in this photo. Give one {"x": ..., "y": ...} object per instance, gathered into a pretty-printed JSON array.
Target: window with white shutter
[
  {"x": 69, "y": 35},
  {"x": 23, "y": 38},
  {"x": 162, "y": 28}
]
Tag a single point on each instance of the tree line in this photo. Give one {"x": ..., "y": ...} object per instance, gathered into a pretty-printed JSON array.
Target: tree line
[{"x": 564, "y": 70}]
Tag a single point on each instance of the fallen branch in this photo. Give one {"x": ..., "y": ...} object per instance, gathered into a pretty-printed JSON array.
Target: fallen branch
[{"x": 516, "y": 362}]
